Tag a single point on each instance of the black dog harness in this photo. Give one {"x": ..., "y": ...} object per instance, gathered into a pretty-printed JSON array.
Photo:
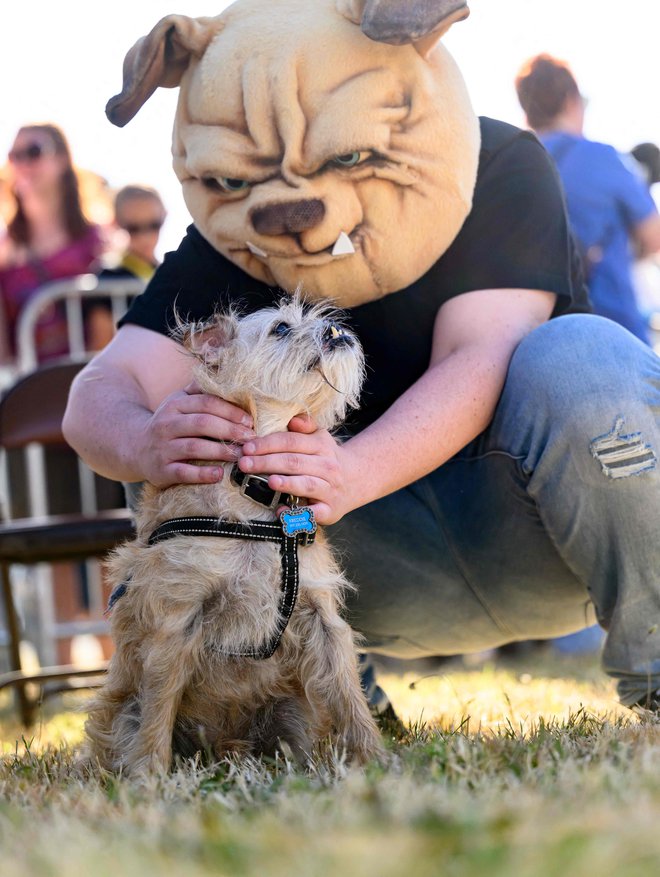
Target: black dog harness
[
  {"x": 296, "y": 527},
  {"x": 258, "y": 530}
]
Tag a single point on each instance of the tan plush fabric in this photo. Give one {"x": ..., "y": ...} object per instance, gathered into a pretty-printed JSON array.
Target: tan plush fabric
[{"x": 271, "y": 93}]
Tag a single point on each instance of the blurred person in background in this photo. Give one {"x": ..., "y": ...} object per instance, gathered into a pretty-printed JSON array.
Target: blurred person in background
[
  {"x": 613, "y": 215},
  {"x": 646, "y": 270},
  {"x": 5, "y": 354},
  {"x": 611, "y": 212},
  {"x": 139, "y": 215},
  {"x": 48, "y": 236},
  {"x": 53, "y": 215},
  {"x": 647, "y": 155}
]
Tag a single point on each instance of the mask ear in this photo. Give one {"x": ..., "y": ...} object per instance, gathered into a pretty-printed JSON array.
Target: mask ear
[
  {"x": 204, "y": 340},
  {"x": 159, "y": 59},
  {"x": 399, "y": 22}
]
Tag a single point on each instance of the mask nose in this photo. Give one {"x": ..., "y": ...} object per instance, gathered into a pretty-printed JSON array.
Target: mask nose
[{"x": 289, "y": 217}]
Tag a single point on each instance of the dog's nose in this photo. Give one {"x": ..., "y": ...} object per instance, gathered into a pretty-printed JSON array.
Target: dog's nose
[
  {"x": 335, "y": 335},
  {"x": 288, "y": 217}
]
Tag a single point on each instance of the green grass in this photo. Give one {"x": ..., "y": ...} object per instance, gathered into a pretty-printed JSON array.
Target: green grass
[{"x": 521, "y": 768}]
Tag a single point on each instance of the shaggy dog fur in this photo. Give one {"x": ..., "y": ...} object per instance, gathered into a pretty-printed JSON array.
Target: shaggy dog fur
[{"x": 172, "y": 688}]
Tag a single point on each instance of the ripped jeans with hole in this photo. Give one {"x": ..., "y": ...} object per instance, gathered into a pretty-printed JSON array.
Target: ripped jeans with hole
[{"x": 543, "y": 524}]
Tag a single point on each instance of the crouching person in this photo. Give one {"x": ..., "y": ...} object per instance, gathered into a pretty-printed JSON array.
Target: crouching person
[{"x": 500, "y": 480}]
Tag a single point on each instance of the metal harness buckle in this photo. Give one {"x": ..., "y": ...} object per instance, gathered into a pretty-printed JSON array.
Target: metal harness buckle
[{"x": 254, "y": 480}]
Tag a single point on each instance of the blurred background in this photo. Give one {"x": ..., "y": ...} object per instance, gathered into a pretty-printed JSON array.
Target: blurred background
[{"x": 61, "y": 62}]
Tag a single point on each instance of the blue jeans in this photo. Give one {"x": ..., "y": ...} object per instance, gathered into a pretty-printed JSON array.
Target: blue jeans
[{"x": 546, "y": 522}]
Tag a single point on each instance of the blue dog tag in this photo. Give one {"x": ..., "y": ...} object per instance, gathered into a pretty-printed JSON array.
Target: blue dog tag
[{"x": 298, "y": 520}]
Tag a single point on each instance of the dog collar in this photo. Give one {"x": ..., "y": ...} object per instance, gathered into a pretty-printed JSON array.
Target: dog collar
[
  {"x": 295, "y": 519},
  {"x": 255, "y": 487},
  {"x": 258, "y": 530}
]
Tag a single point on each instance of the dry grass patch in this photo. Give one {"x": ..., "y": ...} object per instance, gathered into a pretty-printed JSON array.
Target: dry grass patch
[{"x": 507, "y": 769}]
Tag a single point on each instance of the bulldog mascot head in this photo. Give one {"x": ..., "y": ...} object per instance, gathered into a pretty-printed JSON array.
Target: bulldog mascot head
[{"x": 323, "y": 143}]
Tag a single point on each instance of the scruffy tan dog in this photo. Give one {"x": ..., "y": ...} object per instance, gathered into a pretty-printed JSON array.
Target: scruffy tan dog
[
  {"x": 196, "y": 613},
  {"x": 325, "y": 142}
]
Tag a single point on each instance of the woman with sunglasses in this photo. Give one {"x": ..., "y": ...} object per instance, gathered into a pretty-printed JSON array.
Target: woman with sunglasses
[{"x": 48, "y": 236}]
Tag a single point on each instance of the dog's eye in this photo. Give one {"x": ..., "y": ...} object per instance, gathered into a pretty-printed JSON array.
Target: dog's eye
[
  {"x": 350, "y": 159},
  {"x": 225, "y": 184},
  {"x": 281, "y": 329}
]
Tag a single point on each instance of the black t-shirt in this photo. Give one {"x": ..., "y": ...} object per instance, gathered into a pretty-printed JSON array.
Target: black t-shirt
[{"x": 516, "y": 236}]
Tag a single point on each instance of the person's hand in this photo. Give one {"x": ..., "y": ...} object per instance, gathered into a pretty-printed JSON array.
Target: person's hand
[
  {"x": 306, "y": 462},
  {"x": 188, "y": 426}
]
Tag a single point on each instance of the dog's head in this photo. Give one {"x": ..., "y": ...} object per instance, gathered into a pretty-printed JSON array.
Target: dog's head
[
  {"x": 280, "y": 361},
  {"x": 328, "y": 143}
]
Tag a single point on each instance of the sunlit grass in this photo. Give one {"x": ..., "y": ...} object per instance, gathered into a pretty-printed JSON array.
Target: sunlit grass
[
  {"x": 525, "y": 768},
  {"x": 515, "y": 691}
]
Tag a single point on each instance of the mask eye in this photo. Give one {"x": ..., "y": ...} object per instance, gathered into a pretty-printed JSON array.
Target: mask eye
[
  {"x": 225, "y": 184},
  {"x": 229, "y": 184},
  {"x": 350, "y": 159},
  {"x": 281, "y": 330}
]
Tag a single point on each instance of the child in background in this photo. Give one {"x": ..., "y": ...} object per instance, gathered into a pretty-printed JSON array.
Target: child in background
[{"x": 139, "y": 215}]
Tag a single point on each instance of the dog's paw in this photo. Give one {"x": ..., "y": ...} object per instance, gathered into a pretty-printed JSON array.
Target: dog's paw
[
  {"x": 140, "y": 765},
  {"x": 364, "y": 744}
]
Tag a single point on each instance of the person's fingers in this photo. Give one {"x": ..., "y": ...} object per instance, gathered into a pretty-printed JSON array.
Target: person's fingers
[
  {"x": 323, "y": 513},
  {"x": 176, "y": 427},
  {"x": 185, "y": 473},
  {"x": 284, "y": 443},
  {"x": 192, "y": 448},
  {"x": 302, "y": 423},
  {"x": 290, "y": 464},
  {"x": 172, "y": 423},
  {"x": 203, "y": 403},
  {"x": 310, "y": 486},
  {"x": 209, "y": 426}
]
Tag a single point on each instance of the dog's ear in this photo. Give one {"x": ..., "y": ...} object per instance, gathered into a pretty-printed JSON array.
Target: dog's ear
[
  {"x": 160, "y": 59},
  {"x": 204, "y": 340},
  {"x": 399, "y": 22}
]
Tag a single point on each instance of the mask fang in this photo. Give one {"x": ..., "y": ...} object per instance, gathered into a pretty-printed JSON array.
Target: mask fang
[
  {"x": 343, "y": 245},
  {"x": 255, "y": 250}
]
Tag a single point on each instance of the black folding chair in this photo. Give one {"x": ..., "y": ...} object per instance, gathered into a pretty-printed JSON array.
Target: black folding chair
[{"x": 31, "y": 412}]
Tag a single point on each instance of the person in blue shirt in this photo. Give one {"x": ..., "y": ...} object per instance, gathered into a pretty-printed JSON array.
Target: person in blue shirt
[{"x": 614, "y": 218}]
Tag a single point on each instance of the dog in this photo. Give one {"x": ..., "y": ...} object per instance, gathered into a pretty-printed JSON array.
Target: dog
[
  {"x": 330, "y": 143},
  {"x": 204, "y": 657}
]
